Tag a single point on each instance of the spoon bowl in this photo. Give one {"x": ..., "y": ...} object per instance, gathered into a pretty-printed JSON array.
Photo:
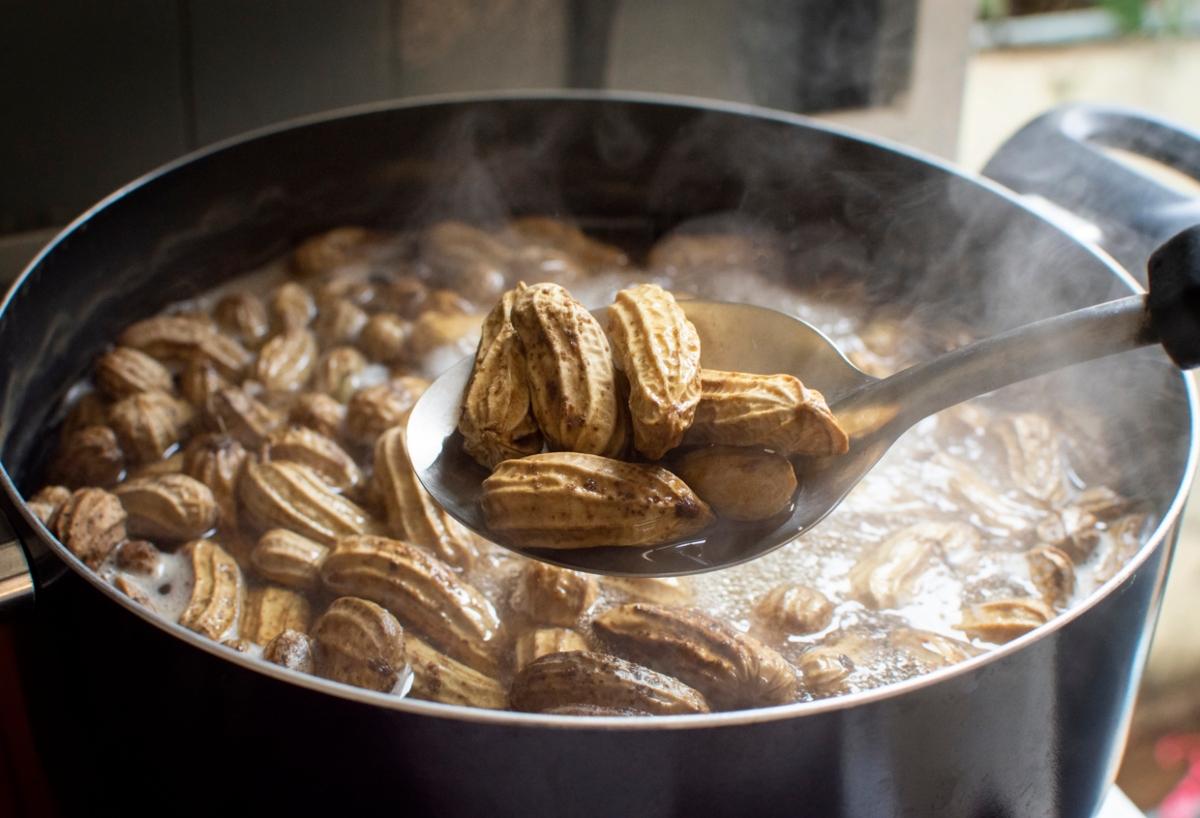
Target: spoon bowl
[{"x": 739, "y": 337}]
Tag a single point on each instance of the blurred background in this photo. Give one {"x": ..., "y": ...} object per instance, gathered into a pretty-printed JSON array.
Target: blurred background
[{"x": 97, "y": 93}]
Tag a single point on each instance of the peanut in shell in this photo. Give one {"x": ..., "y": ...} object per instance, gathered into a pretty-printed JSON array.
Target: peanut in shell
[
  {"x": 497, "y": 421},
  {"x": 572, "y": 382},
  {"x": 774, "y": 412},
  {"x": 572, "y": 500},
  {"x": 659, "y": 351},
  {"x": 739, "y": 483}
]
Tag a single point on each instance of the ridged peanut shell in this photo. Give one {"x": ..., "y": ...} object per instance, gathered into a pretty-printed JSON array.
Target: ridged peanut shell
[
  {"x": 90, "y": 456},
  {"x": 270, "y": 610},
  {"x": 339, "y": 321},
  {"x": 768, "y": 411},
  {"x": 572, "y": 383},
  {"x": 148, "y": 424},
  {"x": 289, "y": 559},
  {"x": 550, "y": 232},
  {"x": 372, "y": 411},
  {"x": 89, "y": 409},
  {"x": 198, "y": 382},
  {"x": 318, "y": 412},
  {"x": 352, "y": 286},
  {"x": 824, "y": 670},
  {"x": 412, "y": 514},
  {"x": 168, "y": 507},
  {"x": 287, "y": 361},
  {"x": 173, "y": 464},
  {"x": 793, "y": 609},
  {"x": 337, "y": 372},
  {"x": 438, "y": 678},
  {"x": 469, "y": 259},
  {"x": 659, "y": 350},
  {"x": 385, "y": 337},
  {"x": 497, "y": 420},
  {"x": 90, "y": 523},
  {"x": 435, "y": 329},
  {"x": 237, "y": 413},
  {"x": 586, "y": 679},
  {"x": 717, "y": 253},
  {"x": 328, "y": 251},
  {"x": 450, "y": 302},
  {"x": 217, "y": 461},
  {"x": 1052, "y": 572},
  {"x": 571, "y": 500},
  {"x": 1003, "y": 620},
  {"x": 292, "y": 307},
  {"x": 46, "y": 503},
  {"x": 139, "y": 557},
  {"x": 1102, "y": 503},
  {"x": 244, "y": 316},
  {"x": 422, "y": 591},
  {"x": 535, "y": 644},
  {"x": 548, "y": 595},
  {"x": 1127, "y": 534},
  {"x": 932, "y": 650},
  {"x": 886, "y": 575},
  {"x": 216, "y": 591},
  {"x": 404, "y": 295},
  {"x": 288, "y": 495},
  {"x": 731, "y": 669},
  {"x": 307, "y": 447},
  {"x": 359, "y": 643},
  {"x": 179, "y": 338},
  {"x": 1033, "y": 449},
  {"x": 134, "y": 591},
  {"x": 1072, "y": 529},
  {"x": 125, "y": 371},
  {"x": 293, "y": 650},
  {"x": 976, "y": 494}
]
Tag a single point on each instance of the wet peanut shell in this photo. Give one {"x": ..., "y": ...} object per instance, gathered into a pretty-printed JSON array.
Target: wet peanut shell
[
  {"x": 570, "y": 500},
  {"x": 359, "y": 643},
  {"x": 572, "y": 382},
  {"x": 659, "y": 351},
  {"x": 775, "y": 412},
  {"x": 422, "y": 591},
  {"x": 732, "y": 670},
  {"x": 583, "y": 679}
]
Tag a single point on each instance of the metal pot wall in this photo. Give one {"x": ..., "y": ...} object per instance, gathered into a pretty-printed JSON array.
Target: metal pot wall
[{"x": 135, "y": 713}]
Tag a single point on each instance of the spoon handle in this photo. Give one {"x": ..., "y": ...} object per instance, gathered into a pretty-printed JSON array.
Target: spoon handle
[
  {"x": 1169, "y": 314},
  {"x": 1000, "y": 360}
]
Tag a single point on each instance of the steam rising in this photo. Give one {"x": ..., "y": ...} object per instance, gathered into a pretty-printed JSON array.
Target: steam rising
[{"x": 814, "y": 213}]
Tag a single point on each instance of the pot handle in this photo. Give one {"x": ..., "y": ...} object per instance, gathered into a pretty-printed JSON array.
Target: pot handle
[
  {"x": 16, "y": 580},
  {"x": 1060, "y": 157}
]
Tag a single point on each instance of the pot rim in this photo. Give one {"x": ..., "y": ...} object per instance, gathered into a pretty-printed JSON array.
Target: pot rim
[{"x": 609, "y": 723}]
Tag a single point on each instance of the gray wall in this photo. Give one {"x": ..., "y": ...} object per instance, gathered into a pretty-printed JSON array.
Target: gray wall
[
  {"x": 99, "y": 92},
  {"x": 95, "y": 93}
]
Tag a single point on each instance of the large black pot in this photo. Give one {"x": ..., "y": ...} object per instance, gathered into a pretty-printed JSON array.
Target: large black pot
[{"x": 133, "y": 714}]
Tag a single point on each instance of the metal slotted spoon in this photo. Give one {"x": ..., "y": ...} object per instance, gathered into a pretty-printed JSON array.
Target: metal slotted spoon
[{"x": 874, "y": 412}]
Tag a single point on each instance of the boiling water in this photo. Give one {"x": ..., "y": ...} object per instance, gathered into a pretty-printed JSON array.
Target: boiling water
[{"x": 911, "y": 484}]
